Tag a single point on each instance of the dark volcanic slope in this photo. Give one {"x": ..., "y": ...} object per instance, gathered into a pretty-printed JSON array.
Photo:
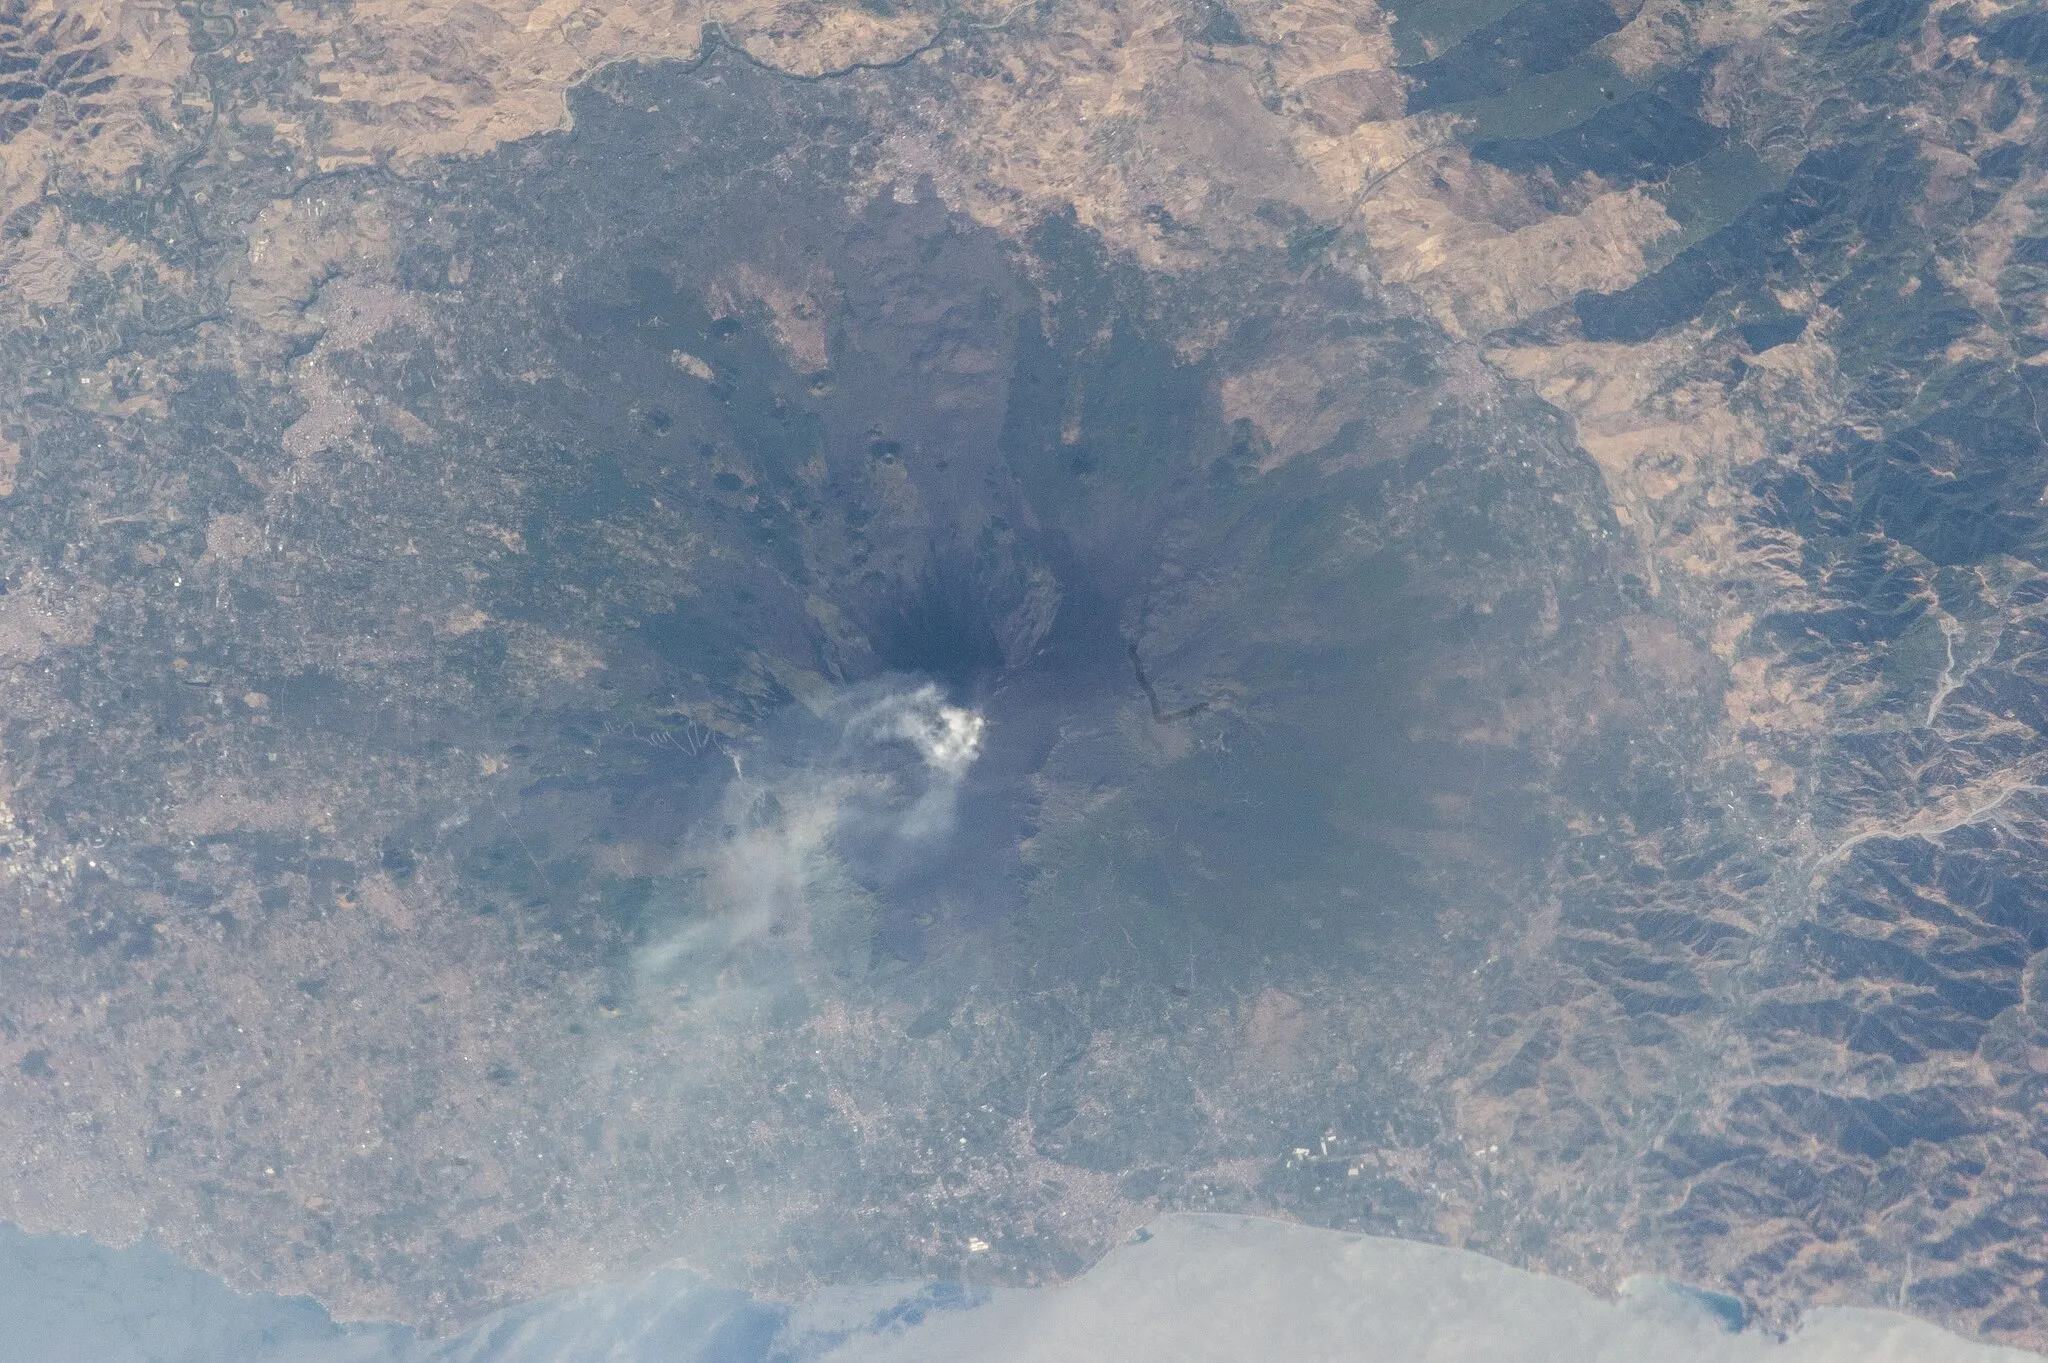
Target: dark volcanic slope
[{"x": 421, "y": 655}]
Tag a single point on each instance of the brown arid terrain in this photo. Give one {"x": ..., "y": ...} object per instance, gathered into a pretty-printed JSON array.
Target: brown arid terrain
[{"x": 461, "y": 463}]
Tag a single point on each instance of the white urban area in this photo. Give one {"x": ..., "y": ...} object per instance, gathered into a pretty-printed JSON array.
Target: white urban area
[{"x": 1189, "y": 1289}]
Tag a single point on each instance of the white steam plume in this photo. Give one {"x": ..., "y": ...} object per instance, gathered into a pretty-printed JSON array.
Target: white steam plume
[{"x": 780, "y": 858}]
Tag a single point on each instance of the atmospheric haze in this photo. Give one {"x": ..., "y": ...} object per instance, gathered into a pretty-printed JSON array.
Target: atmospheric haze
[{"x": 1188, "y": 1289}]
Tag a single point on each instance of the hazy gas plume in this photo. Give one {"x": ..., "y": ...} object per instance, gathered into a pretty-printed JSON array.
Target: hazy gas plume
[{"x": 821, "y": 819}]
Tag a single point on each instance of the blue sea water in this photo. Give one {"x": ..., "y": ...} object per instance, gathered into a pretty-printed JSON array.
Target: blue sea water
[
  {"x": 1190, "y": 1289},
  {"x": 67, "y": 1299}
]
